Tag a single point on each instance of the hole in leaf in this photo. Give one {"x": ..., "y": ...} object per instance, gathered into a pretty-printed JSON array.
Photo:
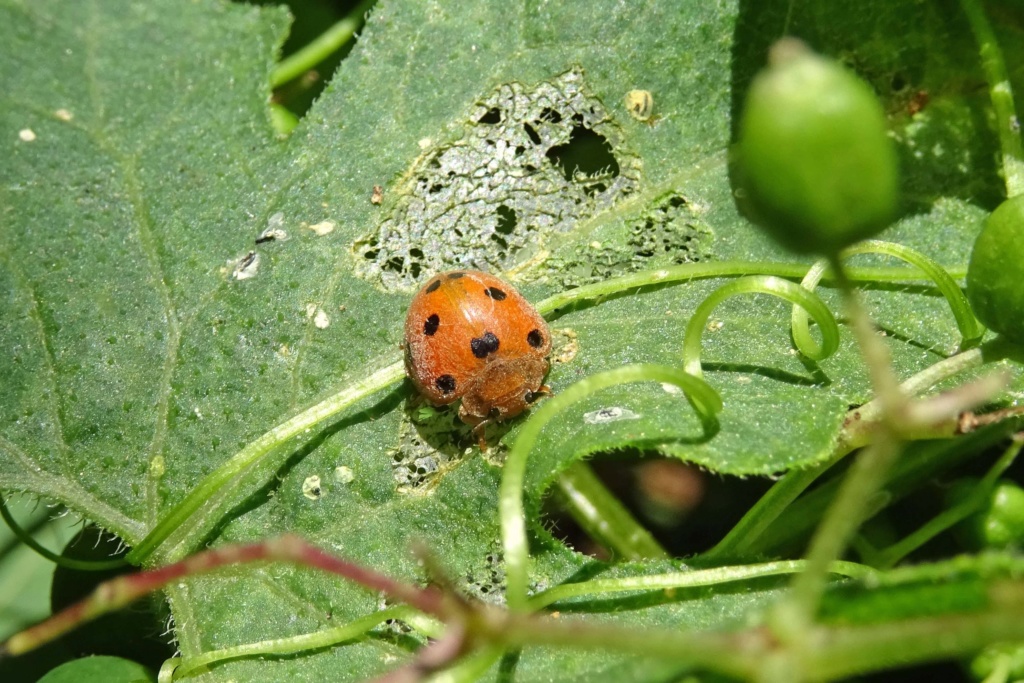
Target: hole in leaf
[
  {"x": 686, "y": 510},
  {"x": 491, "y": 117},
  {"x": 550, "y": 115},
  {"x": 586, "y": 154},
  {"x": 506, "y": 220},
  {"x": 310, "y": 20},
  {"x": 532, "y": 133}
]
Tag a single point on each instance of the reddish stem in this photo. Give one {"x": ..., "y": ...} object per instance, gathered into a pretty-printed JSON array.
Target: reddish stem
[{"x": 123, "y": 590}]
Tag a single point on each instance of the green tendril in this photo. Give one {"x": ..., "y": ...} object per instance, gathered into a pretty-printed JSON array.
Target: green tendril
[
  {"x": 250, "y": 456},
  {"x": 69, "y": 563},
  {"x": 712, "y": 269},
  {"x": 181, "y": 667},
  {"x": 193, "y": 516},
  {"x": 686, "y": 579},
  {"x": 510, "y": 504},
  {"x": 764, "y": 284},
  {"x": 970, "y": 329},
  {"x": 1001, "y": 93}
]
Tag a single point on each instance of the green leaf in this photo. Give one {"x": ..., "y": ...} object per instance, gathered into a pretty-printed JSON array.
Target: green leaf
[
  {"x": 148, "y": 337},
  {"x": 99, "y": 670}
]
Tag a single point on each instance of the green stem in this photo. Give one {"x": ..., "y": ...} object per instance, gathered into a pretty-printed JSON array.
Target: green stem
[
  {"x": 1001, "y": 670},
  {"x": 742, "y": 537},
  {"x": 1007, "y": 123},
  {"x": 35, "y": 523},
  {"x": 859, "y": 649},
  {"x": 510, "y": 496},
  {"x": 793, "y": 616},
  {"x": 254, "y": 453},
  {"x": 896, "y": 552},
  {"x": 69, "y": 562},
  {"x": 849, "y": 509},
  {"x": 926, "y": 461},
  {"x": 322, "y": 47},
  {"x": 832, "y": 651},
  {"x": 603, "y": 517},
  {"x": 187, "y": 666},
  {"x": 687, "y": 579}
]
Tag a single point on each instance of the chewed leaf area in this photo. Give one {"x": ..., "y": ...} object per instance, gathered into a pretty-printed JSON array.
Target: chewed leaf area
[
  {"x": 430, "y": 441},
  {"x": 531, "y": 162},
  {"x": 486, "y": 581},
  {"x": 671, "y": 231}
]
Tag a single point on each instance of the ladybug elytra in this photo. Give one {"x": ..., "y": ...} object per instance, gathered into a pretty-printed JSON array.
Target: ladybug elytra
[{"x": 472, "y": 336}]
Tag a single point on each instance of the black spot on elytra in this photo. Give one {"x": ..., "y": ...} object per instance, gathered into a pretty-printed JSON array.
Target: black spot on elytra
[
  {"x": 535, "y": 339},
  {"x": 495, "y": 293},
  {"x": 432, "y": 287},
  {"x": 455, "y": 276},
  {"x": 430, "y": 326},
  {"x": 485, "y": 345},
  {"x": 446, "y": 383}
]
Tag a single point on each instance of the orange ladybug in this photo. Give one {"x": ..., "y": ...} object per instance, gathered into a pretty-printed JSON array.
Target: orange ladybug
[{"x": 470, "y": 335}]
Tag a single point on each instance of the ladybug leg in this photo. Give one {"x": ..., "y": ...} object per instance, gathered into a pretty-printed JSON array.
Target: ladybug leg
[
  {"x": 532, "y": 396},
  {"x": 481, "y": 438},
  {"x": 478, "y": 421}
]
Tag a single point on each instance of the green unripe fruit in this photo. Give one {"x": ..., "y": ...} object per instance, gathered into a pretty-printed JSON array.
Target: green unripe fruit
[
  {"x": 814, "y": 155},
  {"x": 999, "y": 522},
  {"x": 995, "y": 275}
]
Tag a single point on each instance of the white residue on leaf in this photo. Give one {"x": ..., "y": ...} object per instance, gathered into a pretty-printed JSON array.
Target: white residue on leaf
[
  {"x": 322, "y": 228},
  {"x": 63, "y": 115},
  {"x": 245, "y": 267},
  {"x": 321, "y": 320},
  {"x": 609, "y": 414},
  {"x": 640, "y": 104},
  {"x": 669, "y": 388},
  {"x": 273, "y": 233},
  {"x": 319, "y": 316},
  {"x": 311, "y": 487},
  {"x": 344, "y": 474},
  {"x": 275, "y": 229},
  {"x": 26, "y": 135}
]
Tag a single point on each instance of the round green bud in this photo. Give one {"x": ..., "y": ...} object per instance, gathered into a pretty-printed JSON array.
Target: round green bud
[
  {"x": 814, "y": 156},
  {"x": 995, "y": 274},
  {"x": 1010, "y": 655},
  {"x": 999, "y": 522}
]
